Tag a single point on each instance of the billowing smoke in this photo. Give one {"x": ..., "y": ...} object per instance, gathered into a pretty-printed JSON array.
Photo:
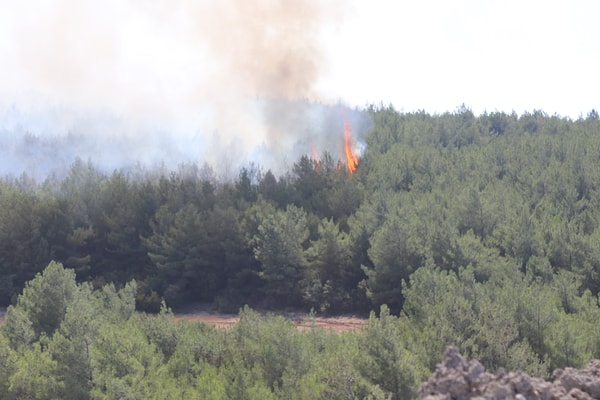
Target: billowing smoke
[{"x": 164, "y": 82}]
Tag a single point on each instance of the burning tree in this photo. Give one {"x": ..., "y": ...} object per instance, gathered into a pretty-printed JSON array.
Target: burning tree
[{"x": 351, "y": 157}]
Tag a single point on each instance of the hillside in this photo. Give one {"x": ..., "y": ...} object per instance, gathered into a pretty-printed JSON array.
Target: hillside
[{"x": 477, "y": 231}]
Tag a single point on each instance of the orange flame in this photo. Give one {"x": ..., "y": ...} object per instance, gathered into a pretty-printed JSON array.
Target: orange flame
[
  {"x": 314, "y": 156},
  {"x": 313, "y": 152},
  {"x": 351, "y": 157}
]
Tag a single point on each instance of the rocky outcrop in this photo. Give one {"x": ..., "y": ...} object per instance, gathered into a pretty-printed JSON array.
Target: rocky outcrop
[{"x": 457, "y": 378}]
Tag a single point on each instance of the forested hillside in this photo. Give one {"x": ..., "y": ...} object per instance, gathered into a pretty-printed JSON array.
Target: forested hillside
[
  {"x": 449, "y": 191},
  {"x": 479, "y": 231}
]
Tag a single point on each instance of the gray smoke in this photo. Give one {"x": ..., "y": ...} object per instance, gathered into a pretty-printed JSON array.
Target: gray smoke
[{"x": 165, "y": 82}]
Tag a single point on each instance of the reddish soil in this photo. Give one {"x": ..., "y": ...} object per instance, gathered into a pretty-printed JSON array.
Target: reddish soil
[
  {"x": 201, "y": 314},
  {"x": 335, "y": 324}
]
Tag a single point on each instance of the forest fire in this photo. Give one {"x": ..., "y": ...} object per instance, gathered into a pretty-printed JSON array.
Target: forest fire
[
  {"x": 351, "y": 157},
  {"x": 313, "y": 153}
]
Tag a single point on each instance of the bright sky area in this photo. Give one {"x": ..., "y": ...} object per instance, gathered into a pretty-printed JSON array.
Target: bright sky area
[
  {"x": 490, "y": 55},
  {"x": 433, "y": 55}
]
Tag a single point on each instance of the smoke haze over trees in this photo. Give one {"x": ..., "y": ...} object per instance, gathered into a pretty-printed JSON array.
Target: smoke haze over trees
[
  {"x": 167, "y": 83},
  {"x": 41, "y": 142}
]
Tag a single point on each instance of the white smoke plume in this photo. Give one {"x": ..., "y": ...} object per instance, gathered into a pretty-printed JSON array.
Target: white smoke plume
[{"x": 128, "y": 81}]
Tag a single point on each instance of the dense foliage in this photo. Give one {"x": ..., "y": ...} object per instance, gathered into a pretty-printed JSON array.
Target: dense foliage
[
  {"x": 63, "y": 340},
  {"x": 481, "y": 231}
]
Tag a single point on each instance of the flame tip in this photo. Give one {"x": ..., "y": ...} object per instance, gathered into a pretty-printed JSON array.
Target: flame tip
[{"x": 351, "y": 157}]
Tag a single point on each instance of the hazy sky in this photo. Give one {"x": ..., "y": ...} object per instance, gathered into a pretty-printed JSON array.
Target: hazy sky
[
  {"x": 432, "y": 55},
  {"x": 435, "y": 55},
  {"x": 202, "y": 69}
]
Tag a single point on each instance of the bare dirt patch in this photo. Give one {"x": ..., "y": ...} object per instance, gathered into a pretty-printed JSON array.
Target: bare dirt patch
[{"x": 201, "y": 313}]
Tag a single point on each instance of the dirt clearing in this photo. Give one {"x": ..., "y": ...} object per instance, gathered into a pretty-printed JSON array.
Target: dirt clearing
[{"x": 301, "y": 320}]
